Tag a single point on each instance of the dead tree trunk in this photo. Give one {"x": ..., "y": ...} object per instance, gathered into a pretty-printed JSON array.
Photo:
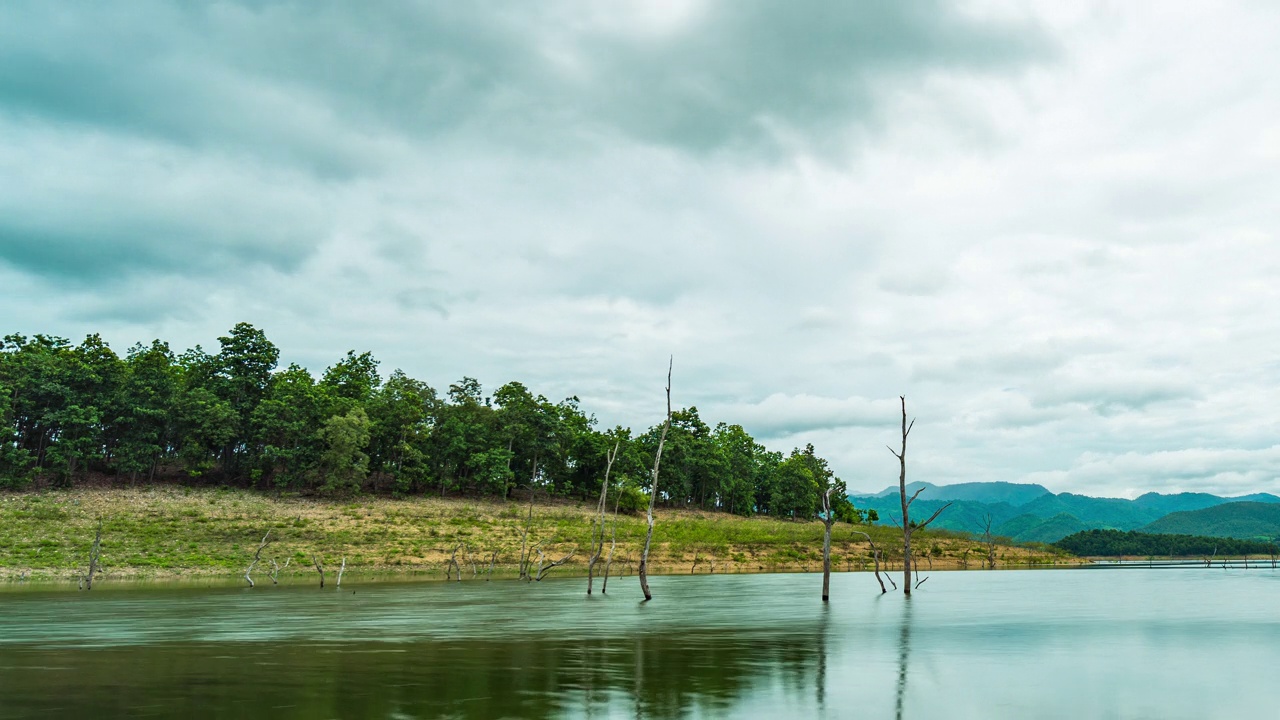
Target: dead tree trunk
[
  {"x": 319, "y": 563},
  {"x": 276, "y": 568},
  {"x": 875, "y": 555},
  {"x": 991, "y": 543},
  {"x": 248, "y": 574},
  {"x": 828, "y": 518},
  {"x": 907, "y": 528},
  {"x": 524, "y": 555},
  {"x": 340, "y": 571},
  {"x": 597, "y": 531},
  {"x": 613, "y": 543},
  {"x": 95, "y": 557},
  {"x": 452, "y": 565},
  {"x": 653, "y": 493}
]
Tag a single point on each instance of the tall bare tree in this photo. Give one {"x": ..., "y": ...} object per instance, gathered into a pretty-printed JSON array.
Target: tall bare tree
[
  {"x": 990, "y": 542},
  {"x": 907, "y": 527},
  {"x": 828, "y": 519},
  {"x": 525, "y": 555},
  {"x": 597, "y": 531},
  {"x": 653, "y": 491},
  {"x": 613, "y": 543}
]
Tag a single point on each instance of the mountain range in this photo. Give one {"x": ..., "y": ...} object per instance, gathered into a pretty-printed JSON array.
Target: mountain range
[{"x": 1031, "y": 513}]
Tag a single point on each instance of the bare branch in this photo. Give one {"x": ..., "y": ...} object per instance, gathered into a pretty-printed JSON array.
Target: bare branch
[
  {"x": 344, "y": 569},
  {"x": 319, "y": 563},
  {"x": 915, "y": 495},
  {"x": 932, "y": 517},
  {"x": 248, "y": 574},
  {"x": 542, "y": 571},
  {"x": 875, "y": 554},
  {"x": 452, "y": 565},
  {"x": 277, "y": 567}
]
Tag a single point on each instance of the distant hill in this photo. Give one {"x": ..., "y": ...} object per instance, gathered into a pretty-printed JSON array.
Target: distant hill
[
  {"x": 1164, "y": 504},
  {"x": 1246, "y": 520},
  {"x": 1014, "y": 494},
  {"x": 1030, "y": 513},
  {"x": 1029, "y": 528}
]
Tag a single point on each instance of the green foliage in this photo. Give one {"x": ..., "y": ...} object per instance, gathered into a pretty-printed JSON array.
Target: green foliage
[
  {"x": 343, "y": 464},
  {"x": 236, "y": 418},
  {"x": 1114, "y": 543},
  {"x": 1237, "y": 519}
]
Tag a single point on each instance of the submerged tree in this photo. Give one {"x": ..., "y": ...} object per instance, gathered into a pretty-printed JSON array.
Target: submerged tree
[
  {"x": 597, "y": 532},
  {"x": 907, "y": 527},
  {"x": 653, "y": 491}
]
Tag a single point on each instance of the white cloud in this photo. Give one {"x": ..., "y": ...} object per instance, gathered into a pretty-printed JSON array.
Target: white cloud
[{"x": 1064, "y": 256}]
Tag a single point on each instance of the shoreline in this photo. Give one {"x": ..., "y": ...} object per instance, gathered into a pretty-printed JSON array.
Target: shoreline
[{"x": 172, "y": 531}]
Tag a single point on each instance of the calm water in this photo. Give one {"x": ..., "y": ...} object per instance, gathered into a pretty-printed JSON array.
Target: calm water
[{"x": 1073, "y": 644}]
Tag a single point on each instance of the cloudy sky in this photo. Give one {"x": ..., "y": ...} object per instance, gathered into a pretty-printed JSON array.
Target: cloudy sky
[{"x": 1053, "y": 228}]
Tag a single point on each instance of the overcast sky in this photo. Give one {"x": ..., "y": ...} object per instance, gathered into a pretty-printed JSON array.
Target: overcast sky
[{"x": 1052, "y": 229}]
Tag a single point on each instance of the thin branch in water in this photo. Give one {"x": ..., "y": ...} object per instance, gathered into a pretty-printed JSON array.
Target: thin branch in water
[
  {"x": 248, "y": 574},
  {"x": 319, "y": 563},
  {"x": 875, "y": 554},
  {"x": 452, "y": 565},
  {"x": 277, "y": 567},
  {"x": 340, "y": 571},
  {"x": 95, "y": 558},
  {"x": 542, "y": 571},
  {"x": 597, "y": 524}
]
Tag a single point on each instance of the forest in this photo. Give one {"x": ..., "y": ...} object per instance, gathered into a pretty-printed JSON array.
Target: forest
[
  {"x": 83, "y": 414},
  {"x": 1117, "y": 543}
]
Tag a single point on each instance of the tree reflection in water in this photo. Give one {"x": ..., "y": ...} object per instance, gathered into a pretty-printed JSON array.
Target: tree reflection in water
[
  {"x": 904, "y": 656},
  {"x": 661, "y": 675}
]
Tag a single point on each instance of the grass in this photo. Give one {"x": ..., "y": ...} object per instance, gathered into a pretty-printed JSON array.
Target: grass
[{"x": 169, "y": 532}]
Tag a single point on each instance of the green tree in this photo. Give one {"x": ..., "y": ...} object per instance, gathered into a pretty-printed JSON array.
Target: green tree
[
  {"x": 353, "y": 378},
  {"x": 241, "y": 375},
  {"x": 400, "y": 415},
  {"x": 343, "y": 463},
  {"x": 286, "y": 425}
]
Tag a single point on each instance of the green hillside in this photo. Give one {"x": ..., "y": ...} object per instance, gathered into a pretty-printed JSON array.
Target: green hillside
[
  {"x": 1029, "y": 513},
  {"x": 1029, "y": 528},
  {"x": 1255, "y": 520}
]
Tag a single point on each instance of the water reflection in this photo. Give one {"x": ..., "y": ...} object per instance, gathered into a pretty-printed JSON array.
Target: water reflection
[
  {"x": 659, "y": 675},
  {"x": 904, "y": 655},
  {"x": 706, "y": 647}
]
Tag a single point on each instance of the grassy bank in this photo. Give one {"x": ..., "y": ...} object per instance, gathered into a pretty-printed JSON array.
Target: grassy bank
[{"x": 173, "y": 532}]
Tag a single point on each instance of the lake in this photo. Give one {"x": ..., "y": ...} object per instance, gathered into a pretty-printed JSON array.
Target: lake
[{"x": 1085, "y": 643}]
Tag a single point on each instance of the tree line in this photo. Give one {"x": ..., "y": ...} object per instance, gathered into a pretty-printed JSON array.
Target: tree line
[
  {"x": 78, "y": 413},
  {"x": 1117, "y": 543}
]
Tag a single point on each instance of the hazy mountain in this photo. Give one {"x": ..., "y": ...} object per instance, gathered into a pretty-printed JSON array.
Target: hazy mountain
[
  {"x": 1246, "y": 520},
  {"x": 1165, "y": 504},
  {"x": 1014, "y": 494},
  {"x": 1030, "y": 513}
]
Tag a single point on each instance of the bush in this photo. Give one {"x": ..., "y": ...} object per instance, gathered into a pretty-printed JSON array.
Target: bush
[{"x": 632, "y": 501}]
